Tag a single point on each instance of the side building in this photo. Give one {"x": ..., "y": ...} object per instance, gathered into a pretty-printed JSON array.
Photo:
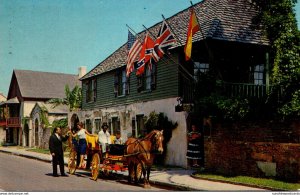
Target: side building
[
  {"x": 2, "y": 115},
  {"x": 26, "y": 103}
]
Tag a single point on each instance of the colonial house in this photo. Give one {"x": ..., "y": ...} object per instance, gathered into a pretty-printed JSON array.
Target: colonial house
[
  {"x": 27, "y": 96},
  {"x": 226, "y": 43},
  {"x": 2, "y": 130}
]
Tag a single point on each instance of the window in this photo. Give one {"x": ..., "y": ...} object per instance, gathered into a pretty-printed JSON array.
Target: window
[
  {"x": 200, "y": 68},
  {"x": 115, "y": 125},
  {"x": 133, "y": 127},
  {"x": 147, "y": 81},
  {"x": 97, "y": 123},
  {"x": 140, "y": 125},
  {"x": 91, "y": 92},
  {"x": 88, "y": 125},
  {"x": 121, "y": 85},
  {"x": 259, "y": 74}
]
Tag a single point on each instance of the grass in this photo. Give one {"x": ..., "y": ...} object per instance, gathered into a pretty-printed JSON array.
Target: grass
[
  {"x": 259, "y": 182},
  {"x": 39, "y": 150}
]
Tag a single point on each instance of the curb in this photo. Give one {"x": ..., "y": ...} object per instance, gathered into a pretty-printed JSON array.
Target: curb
[
  {"x": 177, "y": 187},
  {"x": 29, "y": 156},
  {"x": 236, "y": 183}
]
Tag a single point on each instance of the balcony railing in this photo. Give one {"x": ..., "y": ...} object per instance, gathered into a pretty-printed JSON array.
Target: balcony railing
[
  {"x": 244, "y": 90},
  {"x": 11, "y": 122},
  {"x": 3, "y": 123}
]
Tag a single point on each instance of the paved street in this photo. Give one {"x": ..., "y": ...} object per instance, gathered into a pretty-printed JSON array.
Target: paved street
[{"x": 23, "y": 174}]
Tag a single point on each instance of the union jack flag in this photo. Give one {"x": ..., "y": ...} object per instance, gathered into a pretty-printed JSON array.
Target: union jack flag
[
  {"x": 164, "y": 41},
  {"x": 134, "y": 47}
]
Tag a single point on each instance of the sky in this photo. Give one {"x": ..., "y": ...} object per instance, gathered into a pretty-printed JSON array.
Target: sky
[{"x": 62, "y": 35}]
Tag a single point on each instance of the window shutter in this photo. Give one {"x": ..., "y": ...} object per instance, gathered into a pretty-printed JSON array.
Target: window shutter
[
  {"x": 153, "y": 77},
  {"x": 127, "y": 85},
  {"x": 139, "y": 83},
  {"x": 116, "y": 83},
  {"x": 94, "y": 90},
  {"x": 87, "y": 91}
]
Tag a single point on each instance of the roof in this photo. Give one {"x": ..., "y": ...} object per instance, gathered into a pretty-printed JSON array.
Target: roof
[
  {"x": 34, "y": 84},
  {"x": 10, "y": 101},
  {"x": 2, "y": 97},
  {"x": 228, "y": 20},
  {"x": 60, "y": 109}
]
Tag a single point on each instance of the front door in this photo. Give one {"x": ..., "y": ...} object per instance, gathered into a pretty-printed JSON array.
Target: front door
[
  {"x": 36, "y": 132},
  {"x": 26, "y": 134},
  {"x": 9, "y": 135}
]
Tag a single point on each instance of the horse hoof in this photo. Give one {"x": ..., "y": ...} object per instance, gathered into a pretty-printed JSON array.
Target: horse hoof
[{"x": 147, "y": 186}]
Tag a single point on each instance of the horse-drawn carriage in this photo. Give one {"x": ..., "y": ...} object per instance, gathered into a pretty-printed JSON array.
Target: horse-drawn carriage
[
  {"x": 112, "y": 161},
  {"x": 136, "y": 156}
]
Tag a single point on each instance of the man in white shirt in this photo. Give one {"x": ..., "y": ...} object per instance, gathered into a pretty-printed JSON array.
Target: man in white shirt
[{"x": 104, "y": 138}]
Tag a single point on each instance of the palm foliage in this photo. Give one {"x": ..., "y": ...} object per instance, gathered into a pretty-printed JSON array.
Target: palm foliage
[{"x": 73, "y": 98}]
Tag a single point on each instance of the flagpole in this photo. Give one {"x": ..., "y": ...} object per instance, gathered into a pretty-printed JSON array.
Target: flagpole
[
  {"x": 171, "y": 29},
  {"x": 136, "y": 34},
  {"x": 148, "y": 31},
  {"x": 200, "y": 29},
  {"x": 181, "y": 45},
  {"x": 177, "y": 37},
  {"x": 170, "y": 56}
]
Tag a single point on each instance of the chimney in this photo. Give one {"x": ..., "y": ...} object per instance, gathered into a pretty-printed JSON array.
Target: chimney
[{"x": 81, "y": 71}]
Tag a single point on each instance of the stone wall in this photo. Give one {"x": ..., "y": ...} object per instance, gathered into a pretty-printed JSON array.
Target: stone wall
[{"x": 259, "y": 150}]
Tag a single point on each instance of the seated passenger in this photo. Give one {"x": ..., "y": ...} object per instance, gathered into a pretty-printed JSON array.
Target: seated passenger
[{"x": 118, "y": 139}]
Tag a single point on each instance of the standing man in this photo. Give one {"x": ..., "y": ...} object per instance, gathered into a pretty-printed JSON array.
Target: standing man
[
  {"x": 56, "y": 150},
  {"x": 104, "y": 138}
]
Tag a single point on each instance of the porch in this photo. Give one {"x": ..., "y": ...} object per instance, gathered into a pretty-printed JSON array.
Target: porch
[{"x": 10, "y": 122}]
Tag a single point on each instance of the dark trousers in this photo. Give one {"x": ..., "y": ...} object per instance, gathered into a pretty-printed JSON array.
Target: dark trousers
[{"x": 58, "y": 160}]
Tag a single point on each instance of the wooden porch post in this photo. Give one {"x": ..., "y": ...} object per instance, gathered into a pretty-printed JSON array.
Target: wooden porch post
[{"x": 267, "y": 73}]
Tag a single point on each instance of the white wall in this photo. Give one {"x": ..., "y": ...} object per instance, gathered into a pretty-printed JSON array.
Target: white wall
[
  {"x": 177, "y": 146},
  {"x": 2, "y": 135}
]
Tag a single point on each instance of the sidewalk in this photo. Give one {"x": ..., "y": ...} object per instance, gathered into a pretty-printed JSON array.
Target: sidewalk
[{"x": 180, "y": 179}]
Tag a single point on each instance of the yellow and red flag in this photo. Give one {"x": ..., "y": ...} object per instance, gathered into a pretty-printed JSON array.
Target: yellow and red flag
[{"x": 193, "y": 28}]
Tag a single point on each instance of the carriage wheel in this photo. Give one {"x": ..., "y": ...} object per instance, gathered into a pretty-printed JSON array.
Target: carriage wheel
[
  {"x": 106, "y": 168},
  {"x": 72, "y": 162},
  {"x": 95, "y": 166}
]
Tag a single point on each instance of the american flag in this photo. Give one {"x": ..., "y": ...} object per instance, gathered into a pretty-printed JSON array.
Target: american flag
[
  {"x": 164, "y": 41},
  {"x": 134, "y": 47}
]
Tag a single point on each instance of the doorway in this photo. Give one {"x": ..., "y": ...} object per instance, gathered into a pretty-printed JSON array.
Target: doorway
[{"x": 36, "y": 132}]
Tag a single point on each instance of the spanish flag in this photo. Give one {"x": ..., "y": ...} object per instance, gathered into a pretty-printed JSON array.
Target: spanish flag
[{"x": 193, "y": 28}]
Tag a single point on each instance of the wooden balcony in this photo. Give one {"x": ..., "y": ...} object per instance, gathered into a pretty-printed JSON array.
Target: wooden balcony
[
  {"x": 244, "y": 90},
  {"x": 3, "y": 123},
  {"x": 10, "y": 122}
]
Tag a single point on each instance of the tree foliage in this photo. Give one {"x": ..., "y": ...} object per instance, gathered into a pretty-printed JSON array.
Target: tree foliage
[
  {"x": 277, "y": 19},
  {"x": 73, "y": 98},
  {"x": 160, "y": 122}
]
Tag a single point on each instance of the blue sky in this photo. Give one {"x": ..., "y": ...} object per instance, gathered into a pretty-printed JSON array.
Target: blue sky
[{"x": 61, "y": 35}]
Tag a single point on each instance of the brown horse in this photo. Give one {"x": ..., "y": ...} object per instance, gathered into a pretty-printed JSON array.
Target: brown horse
[{"x": 141, "y": 152}]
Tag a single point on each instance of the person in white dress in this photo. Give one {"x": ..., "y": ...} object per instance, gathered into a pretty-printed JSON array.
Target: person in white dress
[{"x": 82, "y": 143}]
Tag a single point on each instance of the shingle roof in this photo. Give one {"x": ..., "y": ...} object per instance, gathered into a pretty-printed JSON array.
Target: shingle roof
[
  {"x": 228, "y": 20},
  {"x": 34, "y": 84},
  {"x": 60, "y": 109}
]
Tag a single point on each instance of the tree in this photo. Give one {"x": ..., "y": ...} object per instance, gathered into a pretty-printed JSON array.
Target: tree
[
  {"x": 277, "y": 19},
  {"x": 160, "y": 122},
  {"x": 73, "y": 98}
]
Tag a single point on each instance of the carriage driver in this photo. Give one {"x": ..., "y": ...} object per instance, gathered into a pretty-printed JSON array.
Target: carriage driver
[{"x": 104, "y": 138}]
